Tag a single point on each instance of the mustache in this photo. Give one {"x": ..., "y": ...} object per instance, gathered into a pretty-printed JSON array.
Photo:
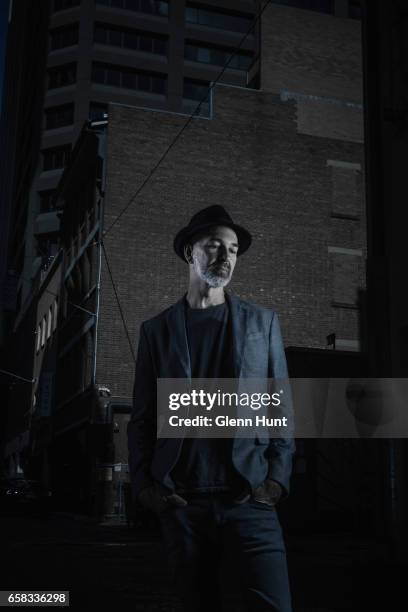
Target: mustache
[{"x": 221, "y": 264}]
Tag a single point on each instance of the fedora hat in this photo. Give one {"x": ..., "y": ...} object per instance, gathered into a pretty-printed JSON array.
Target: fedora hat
[{"x": 206, "y": 218}]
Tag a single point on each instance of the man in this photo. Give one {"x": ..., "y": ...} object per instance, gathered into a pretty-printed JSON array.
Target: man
[{"x": 212, "y": 495}]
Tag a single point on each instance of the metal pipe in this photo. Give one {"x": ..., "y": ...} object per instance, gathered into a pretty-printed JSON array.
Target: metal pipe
[{"x": 102, "y": 155}]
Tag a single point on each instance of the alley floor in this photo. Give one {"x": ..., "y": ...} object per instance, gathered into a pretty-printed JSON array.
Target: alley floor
[{"x": 125, "y": 569}]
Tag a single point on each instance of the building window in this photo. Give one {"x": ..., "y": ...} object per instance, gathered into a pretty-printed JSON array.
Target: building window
[
  {"x": 130, "y": 39},
  {"x": 38, "y": 346},
  {"x": 47, "y": 200},
  {"x": 64, "y": 37},
  {"x": 56, "y": 158},
  {"x": 98, "y": 111},
  {"x": 61, "y": 5},
  {"x": 118, "y": 76},
  {"x": 49, "y": 323},
  {"x": 59, "y": 116},
  {"x": 61, "y": 76},
  {"x": 152, "y": 7},
  {"x": 43, "y": 330},
  {"x": 195, "y": 90},
  {"x": 218, "y": 56},
  {"x": 235, "y": 22},
  {"x": 55, "y": 316},
  {"x": 47, "y": 250}
]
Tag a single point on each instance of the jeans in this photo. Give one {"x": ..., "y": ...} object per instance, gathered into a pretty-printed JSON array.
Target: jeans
[{"x": 197, "y": 535}]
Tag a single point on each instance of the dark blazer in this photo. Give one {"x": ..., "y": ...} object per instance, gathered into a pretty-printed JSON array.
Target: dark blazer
[{"x": 163, "y": 353}]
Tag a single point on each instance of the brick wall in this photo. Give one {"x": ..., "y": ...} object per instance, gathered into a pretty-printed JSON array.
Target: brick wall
[{"x": 251, "y": 158}]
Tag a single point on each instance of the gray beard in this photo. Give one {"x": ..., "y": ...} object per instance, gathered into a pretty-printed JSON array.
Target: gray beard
[{"x": 212, "y": 279}]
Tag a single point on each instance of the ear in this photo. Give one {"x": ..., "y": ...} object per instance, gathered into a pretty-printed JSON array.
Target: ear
[{"x": 188, "y": 253}]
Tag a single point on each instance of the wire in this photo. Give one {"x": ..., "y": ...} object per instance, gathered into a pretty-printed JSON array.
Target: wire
[
  {"x": 187, "y": 123},
  {"x": 118, "y": 302},
  {"x": 33, "y": 380}
]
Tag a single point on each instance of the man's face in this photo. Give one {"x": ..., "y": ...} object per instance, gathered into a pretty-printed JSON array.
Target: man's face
[{"x": 215, "y": 255}]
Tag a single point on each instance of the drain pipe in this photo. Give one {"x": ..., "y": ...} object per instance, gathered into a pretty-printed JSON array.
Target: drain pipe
[{"x": 102, "y": 158}]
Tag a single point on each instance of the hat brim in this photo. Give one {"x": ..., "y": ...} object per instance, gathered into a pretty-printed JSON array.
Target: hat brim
[{"x": 186, "y": 234}]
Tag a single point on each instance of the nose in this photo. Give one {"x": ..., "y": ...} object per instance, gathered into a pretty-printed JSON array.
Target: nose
[{"x": 222, "y": 255}]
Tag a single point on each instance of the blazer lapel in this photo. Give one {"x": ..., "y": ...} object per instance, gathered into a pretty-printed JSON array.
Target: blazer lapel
[
  {"x": 178, "y": 335},
  {"x": 238, "y": 331}
]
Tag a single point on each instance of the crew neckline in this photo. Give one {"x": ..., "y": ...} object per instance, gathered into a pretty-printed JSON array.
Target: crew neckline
[{"x": 204, "y": 309}]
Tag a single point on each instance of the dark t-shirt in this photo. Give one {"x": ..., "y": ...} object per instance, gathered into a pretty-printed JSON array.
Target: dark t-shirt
[
  {"x": 205, "y": 465},
  {"x": 209, "y": 341}
]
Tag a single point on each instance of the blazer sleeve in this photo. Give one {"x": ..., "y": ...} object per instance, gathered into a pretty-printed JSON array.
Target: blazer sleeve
[
  {"x": 281, "y": 450},
  {"x": 141, "y": 429}
]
